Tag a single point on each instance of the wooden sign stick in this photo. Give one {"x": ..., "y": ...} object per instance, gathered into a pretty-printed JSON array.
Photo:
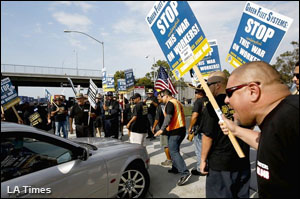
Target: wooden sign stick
[
  {"x": 218, "y": 111},
  {"x": 15, "y": 111}
]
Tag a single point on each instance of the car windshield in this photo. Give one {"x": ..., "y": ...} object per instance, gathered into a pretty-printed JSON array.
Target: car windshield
[{"x": 89, "y": 146}]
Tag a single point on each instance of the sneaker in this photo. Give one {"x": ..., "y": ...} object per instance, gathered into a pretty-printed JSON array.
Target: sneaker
[
  {"x": 166, "y": 163},
  {"x": 197, "y": 173},
  {"x": 183, "y": 179},
  {"x": 173, "y": 170},
  {"x": 152, "y": 138}
]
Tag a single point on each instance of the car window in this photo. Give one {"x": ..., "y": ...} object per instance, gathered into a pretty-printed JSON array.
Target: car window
[{"x": 24, "y": 155}]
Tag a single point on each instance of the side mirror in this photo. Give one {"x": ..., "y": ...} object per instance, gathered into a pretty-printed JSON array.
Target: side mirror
[{"x": 83, "y": 153}]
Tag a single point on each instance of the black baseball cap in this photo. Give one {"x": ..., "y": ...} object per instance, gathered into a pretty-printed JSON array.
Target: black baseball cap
[{"x": 136, "y": 95}]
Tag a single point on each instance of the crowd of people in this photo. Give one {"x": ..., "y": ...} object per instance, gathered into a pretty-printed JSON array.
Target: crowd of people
[{"x": 252, "y": 96}]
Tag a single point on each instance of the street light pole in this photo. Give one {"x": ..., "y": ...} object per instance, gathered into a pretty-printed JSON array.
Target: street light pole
[
  {"x": 69, "y": 31},
  {"x": 154, "y": 78}
]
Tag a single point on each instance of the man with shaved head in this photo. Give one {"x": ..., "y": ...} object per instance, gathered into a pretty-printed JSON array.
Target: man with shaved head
[
  {"x": 227, "y": 175},
  {"x": 259, "y": 97}
]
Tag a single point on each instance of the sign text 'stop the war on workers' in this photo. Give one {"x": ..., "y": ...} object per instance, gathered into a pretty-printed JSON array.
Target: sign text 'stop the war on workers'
[
  {"x": 178, "y": 34},
  {"x": 9, "y": 96},
  {"x": 259, "y": 34}
]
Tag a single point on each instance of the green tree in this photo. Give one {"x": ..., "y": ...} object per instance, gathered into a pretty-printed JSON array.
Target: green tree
[
  {"x": 118, "y": 75},
  {"x": 285, "y": 63},
  {"x": 165, "y": 65},
  {"x": 144, "y": 81}
]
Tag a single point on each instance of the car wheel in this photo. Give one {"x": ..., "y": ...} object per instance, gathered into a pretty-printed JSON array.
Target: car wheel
[{"x": 134, "y": 182}]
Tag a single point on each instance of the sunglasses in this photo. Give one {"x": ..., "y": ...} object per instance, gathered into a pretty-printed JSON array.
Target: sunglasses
[
  {"x": 230, "y": 91},
  {"x": 212, "y": 83},
  {"x": 297, "y": 75}
]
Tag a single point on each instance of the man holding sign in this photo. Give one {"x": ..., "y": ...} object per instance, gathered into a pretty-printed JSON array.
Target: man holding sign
[
  {"x": 228, "y": 175},
  {"x": 258, "y": 97}
]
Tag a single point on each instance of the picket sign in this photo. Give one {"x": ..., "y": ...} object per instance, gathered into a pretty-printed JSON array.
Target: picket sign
[
  {"x": 184, "y": 44},
  {"x": 218, "y": 111}
]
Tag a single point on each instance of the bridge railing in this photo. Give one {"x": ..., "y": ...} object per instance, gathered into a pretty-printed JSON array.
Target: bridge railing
[{"x": 44, "y": 70}]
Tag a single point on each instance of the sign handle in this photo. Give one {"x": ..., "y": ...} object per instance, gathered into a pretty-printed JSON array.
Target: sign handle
[
  {"x": 55, "y": 104},
  {"x": 218, "y": 111},
  {"x": 89, "y": 115},
  {"x": 15, "y": 111},
  {"x": 2, "y": 113}
]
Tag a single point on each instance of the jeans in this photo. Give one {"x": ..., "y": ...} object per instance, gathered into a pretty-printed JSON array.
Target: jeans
[
  {"x": 197, "y": 143},
  {"x": 67, "y": 124},
  {"x": 61, "y": 125},
  {"x": 111, "y": 128},
  {"x": 174, "y": 142},
  {"x": 151, "y": 122},
  {"x": 228, "y": 184}
]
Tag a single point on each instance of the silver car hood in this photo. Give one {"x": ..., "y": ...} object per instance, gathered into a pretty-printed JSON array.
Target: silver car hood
[{"x": 103, "y": 143}]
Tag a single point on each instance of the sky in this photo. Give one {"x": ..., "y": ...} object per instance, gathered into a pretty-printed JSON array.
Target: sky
[{"x": 32, "y": 33}]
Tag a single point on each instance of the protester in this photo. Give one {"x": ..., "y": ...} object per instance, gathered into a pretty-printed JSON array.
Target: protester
[
  {"x": 174, "y": 123},
  {"x": 228, "y": 175},
  {"x": 80, "y": 112},
  {"x": 259, "y": 97},
  {"x": 159, "y": 119},
  {"x": 151, "y": 103},
  {"x": 139, "y": 123},
  {"x": 50, "y": 118},
  {"x": 60, "y": 113},
  {"x": 66, "y": 102},
  {"x": 200, "y": 103},
  {"x": 127, "y": 113},
  {"x": 296, "y": 78},
  {"x": 111, "y": 116},
  {"x": 100, "y": 113},
  {"x": 122, "y": 102}
]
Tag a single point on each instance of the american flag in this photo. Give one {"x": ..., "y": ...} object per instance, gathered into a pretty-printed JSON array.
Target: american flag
[{"x": 163, "y": 82}]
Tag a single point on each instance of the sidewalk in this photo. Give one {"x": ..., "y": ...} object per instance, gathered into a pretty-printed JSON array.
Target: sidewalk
[{"x": 163, "y": 184}]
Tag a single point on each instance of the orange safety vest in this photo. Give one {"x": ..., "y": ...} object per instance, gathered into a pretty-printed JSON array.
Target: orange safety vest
[{"x": 178, "y": 119}]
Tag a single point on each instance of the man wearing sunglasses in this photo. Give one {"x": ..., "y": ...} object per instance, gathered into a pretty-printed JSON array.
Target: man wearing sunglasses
[
  {"x": 259, "y": 97},
  {"x": 296, "y": 78},
  {"x": 228, "y": 175}
]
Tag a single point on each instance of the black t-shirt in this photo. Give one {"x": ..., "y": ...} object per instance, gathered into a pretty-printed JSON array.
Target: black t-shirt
[
  {"x": 127, "y": 113},
  {"x": 150, "y": 105},
  {"x": 159, "y": 114},
  {"x": 199, "y": 105},
  {"x": 222, "y": 155},
  {"x": 113, "y": 109},
  {"x": 170, "y": 109},
  {"x": 61, "y": 115},
  {"x": 141, "y": 124},
  {"x": 278, "y": 151},
  {"x": 81, "y": 114}
]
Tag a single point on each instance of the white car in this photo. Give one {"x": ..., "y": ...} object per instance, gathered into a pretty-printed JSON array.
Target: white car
[{"x": 35, "y": 163}]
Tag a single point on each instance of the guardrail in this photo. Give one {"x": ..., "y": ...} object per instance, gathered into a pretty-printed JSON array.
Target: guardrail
[{"x": 44, "y": 70}]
